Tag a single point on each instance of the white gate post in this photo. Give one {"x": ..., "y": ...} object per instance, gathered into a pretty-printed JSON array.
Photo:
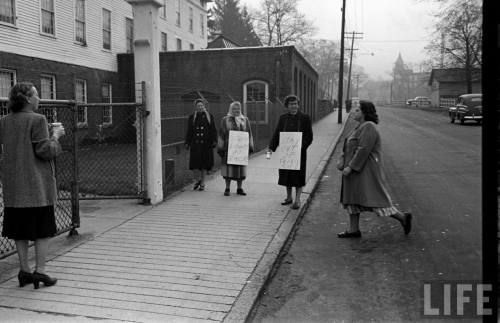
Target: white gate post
[{"x": 147, "y": 69}]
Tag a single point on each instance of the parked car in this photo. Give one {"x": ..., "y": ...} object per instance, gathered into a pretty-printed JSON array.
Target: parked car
[
  {"x": 419, "y": 101},
  {"x": 468, "y": 107}
]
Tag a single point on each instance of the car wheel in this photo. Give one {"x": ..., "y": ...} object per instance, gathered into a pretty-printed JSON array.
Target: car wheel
[
  {"x": 452, "y": 118},
  {"x": 462, "y": 120},
  {"x": 478, "y": 121}
]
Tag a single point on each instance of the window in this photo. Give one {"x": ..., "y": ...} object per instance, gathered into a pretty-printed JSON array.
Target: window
[
  {"x": 163, "y": 10},
  {"x": 106, "y": 29},
  {"x": 48, "y": 17},
  {"x": 7, "y": 81},
  {"x": 191, "y": 46},
  {"x": 48, "y": 92},
  {"x": 255, "y": 97},
  {"x": 163, "y": 42},
  {"x": 80, "y": 21},
  {"x": 179, "y": 44},
  {"x": 178, "y": 12},
  {"x": 129, "y": 30},
  {"x": 8, "y": 11},
  {"x": 190, "y": 19},
  {"x": 81, "y": 97},
  {"x": 107, "y": 111},
  {"x": 202, "y": 25}
]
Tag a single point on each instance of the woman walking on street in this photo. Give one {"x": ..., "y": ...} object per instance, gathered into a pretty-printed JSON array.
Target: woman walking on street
[
  {"x": 28, "y": 178},
  {"x": 294, "y": 121},
  {"x": 234, "y": 120},
  {"x": 363, "y": 183},
  {"x": 201, "y": 138}
]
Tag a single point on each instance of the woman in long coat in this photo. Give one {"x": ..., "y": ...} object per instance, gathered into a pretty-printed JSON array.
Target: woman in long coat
[
  {"x": 363, "y": 181},
  {"x": 28, "y": 178},
  {"x": 201, "y": 138},
  {"x": 234, "y": 120},
  {"x": 293, "y": 121}
]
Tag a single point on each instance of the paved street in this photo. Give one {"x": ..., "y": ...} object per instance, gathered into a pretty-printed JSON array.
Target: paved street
[{"x": 434, "y": 171}]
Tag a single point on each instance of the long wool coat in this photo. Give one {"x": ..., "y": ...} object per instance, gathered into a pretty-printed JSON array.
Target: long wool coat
[
  {"x": 28, "y": 173},
  {"x": 365, "y": 185},
  {"x": 299, "y": 122},
  {"x": 201, "y": 136}
]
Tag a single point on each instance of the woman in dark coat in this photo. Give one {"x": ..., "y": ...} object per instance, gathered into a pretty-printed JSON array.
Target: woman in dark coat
[
  {"x": 293, "y": 121},
  {"x": 363, "y": 181},
  {"x": 201, "y": 138},
  {"x": 28, "y": 178}
]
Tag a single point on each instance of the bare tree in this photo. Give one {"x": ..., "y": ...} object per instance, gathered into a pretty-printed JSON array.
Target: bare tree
[{"x": 278, "y": 22}]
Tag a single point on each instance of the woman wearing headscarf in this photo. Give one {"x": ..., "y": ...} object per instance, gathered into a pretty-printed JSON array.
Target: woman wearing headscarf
[
  {"x": 234, "y": 120},
  {"x": 28, "y": 178},
  {"x": 201, "y": 138},
  {"x": 363, "y": 181},
  {"x": 293, "y": 121}
]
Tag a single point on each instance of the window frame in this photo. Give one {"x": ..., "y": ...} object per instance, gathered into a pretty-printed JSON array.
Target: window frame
[
  {"x": 13, "y": 16},
  {"x": 105, "y": 30},
  {"x": 129, "y": 40},
  {"x": 163, "y": 44},
  {"x": 3, "y": 107},
  {"x": 191, "y": 20},
  {"x": 84, "y": 107},
  {"x": 178, "y": 13},
  {"x": 163, "y": 10},
  {"x": 191, "y": 46},
  {"x": 84, "y": 22},
  {"x": 42, "y": 32},
  {"x": 178, "y": 44},
  {"x": 50, "y": 113},
  {"x": 266, "y": 100},
  {"x": 202, "y": 25},
  {"x": 110, "y": 100}
]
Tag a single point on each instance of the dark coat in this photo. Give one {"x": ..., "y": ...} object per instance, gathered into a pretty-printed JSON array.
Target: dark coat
[
  {"x": 365, "y": 185},
  {"x": 302, "y": 123},
  {"x": 201, "y": 137}
]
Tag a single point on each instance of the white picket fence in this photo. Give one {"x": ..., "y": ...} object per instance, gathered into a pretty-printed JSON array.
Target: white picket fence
[{"x": 446, "y": 103}]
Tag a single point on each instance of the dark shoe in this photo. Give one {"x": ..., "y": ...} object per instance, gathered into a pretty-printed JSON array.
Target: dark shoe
[
  {"x": 240, "y": 191},
  {"x": 45, "y": 279},
  {"x": 226, "y": 192},
  {"x": 296, "y": 206},
  {"x": 407, "y": 223},
  {"x": 202, "y": 187},
  {"x": 196, "y": 185},
  {"x": 24, "y": 278},
  {"x": 347, "y": 234},
  {"x": 287, "y": 201}
]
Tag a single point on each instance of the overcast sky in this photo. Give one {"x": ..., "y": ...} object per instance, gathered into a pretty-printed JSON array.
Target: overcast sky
[{"x": 389, "y": 27}]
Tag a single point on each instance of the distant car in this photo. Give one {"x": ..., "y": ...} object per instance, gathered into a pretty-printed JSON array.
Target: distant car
[
  {"x": 468, "y": 107},
  {"x": 419, "y": 101}
]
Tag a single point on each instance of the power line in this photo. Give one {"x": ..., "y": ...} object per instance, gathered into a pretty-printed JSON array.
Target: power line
[{"x": 396, "y": 41}]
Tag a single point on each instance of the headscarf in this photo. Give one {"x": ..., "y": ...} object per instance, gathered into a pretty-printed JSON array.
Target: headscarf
[
  {"x": 240, "y": 118},
  {"x": 204, "y": 110}
]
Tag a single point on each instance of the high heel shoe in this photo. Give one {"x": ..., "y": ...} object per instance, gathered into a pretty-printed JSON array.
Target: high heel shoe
[
  {"x": 45, "y": 279},
  {"x": 24, "y": 278}
]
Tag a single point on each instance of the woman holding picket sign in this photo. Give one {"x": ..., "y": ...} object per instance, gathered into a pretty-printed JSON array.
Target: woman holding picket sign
[
  {"x": 233, "y": 121},
  {"x": 293, "y": 121}
]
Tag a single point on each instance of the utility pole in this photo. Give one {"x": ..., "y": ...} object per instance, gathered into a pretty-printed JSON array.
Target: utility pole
[
  {"x": 341, "y": 66},
  {"x": 357, "y": 84},
  {"x": 350, "y": 63}
]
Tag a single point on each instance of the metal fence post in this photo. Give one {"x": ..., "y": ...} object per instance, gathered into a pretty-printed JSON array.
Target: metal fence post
[{"x": 75, "y": 200}]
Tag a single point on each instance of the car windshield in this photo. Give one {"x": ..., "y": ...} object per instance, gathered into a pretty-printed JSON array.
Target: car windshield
[{"x": 474, "y": 101}]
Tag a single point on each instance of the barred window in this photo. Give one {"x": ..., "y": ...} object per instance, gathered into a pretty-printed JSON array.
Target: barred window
[
  {"x": 81, "y": 97},
  {"x": 202, "y": 25},
  {"x": 129, "y": 30},
  {"x": 7, "y": 81},
  {"x": 190, "y": 19},
  {"x": 106, "y": 29},
  {"x": 80, "y": 35},
  {"x": 8, "y": 11},
  {"x": 256, "y": 101},
  {"x": 107, "y": 111},
  {"x": 48, "y": 17},
  {"x": 48, "y": 92},
  {"x": 163, "y": 42}
]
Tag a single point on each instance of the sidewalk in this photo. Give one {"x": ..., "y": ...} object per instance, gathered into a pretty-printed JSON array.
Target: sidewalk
[{"x": 197, "y": 257}]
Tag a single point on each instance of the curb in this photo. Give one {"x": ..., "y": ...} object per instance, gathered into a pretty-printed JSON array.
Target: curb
[{"x": 244, "y": 305}]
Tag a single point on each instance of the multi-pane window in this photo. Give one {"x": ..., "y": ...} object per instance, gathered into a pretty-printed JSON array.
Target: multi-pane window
[
  {"x": 202, "y": 25},
  {"x": 80, "y": 21},
  {"x": 163, "y": 10},
  {"x": 107, "y": 111},
  {"x": 179, "y": 44},
  {"x": 190, "y": 19},
  {"x": 191, "y": 46},
  {"x": 129, "y": 26},
  {"x": 255, "y": 101},
  {"x": 7, "y": 81},
  {"x": 106, "y": 29},
  {"x": 8, "y": 11},
  {"x": 81, "y": 97},
  {"x": 48, "y": 17},
  {"x": 48, "y": 92},
  {"x": 163, "y": 42},
  {"x": 178, "y": 12}
]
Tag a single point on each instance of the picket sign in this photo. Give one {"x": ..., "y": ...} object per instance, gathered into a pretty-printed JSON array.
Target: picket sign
[
  {"x": 289, "y": 150},
  {"x": 237, "y": 153}
]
